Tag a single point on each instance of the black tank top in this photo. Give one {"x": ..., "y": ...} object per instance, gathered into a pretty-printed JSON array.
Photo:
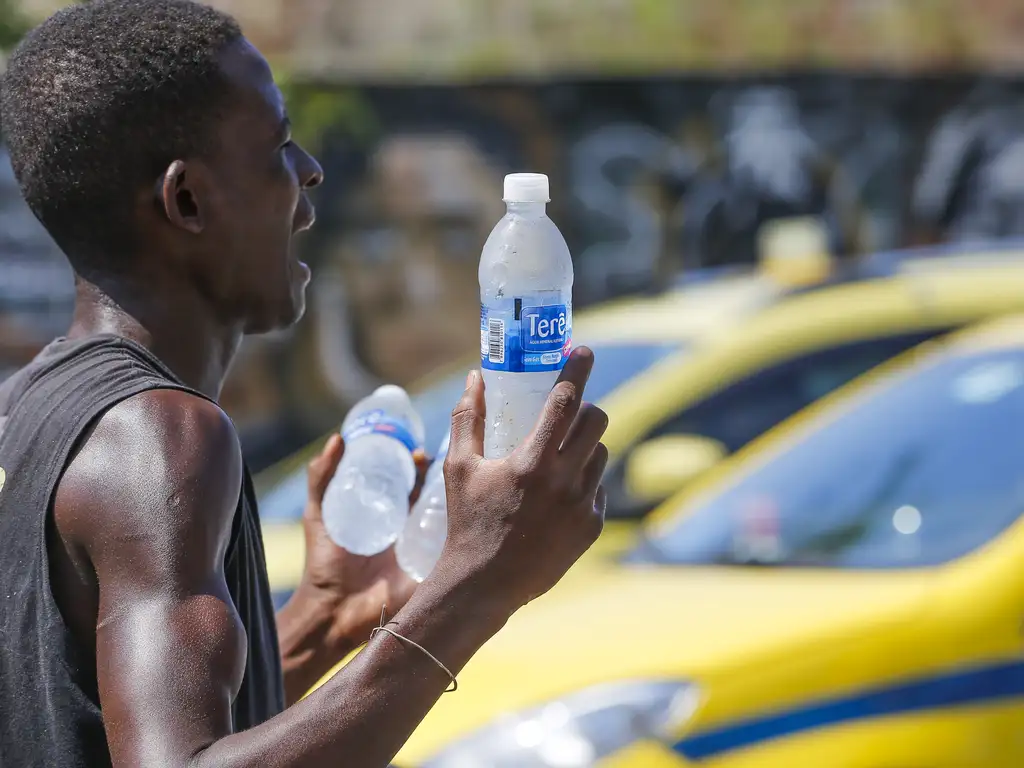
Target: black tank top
[{"x": 49, "y": 706}]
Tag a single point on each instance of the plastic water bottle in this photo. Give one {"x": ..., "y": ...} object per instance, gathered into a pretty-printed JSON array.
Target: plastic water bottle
[
  {"x": 420, "y": 543},
  {"x": 525, "y": 312},
  {"x": 367, "y": 500}
]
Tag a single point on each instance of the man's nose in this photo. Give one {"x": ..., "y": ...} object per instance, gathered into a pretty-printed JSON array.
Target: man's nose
[{"x": 310, "y": 173}]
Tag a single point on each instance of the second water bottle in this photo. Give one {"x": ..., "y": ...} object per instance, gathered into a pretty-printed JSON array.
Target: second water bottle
[
  {"x": 419, "y": 545},
  {"x": 367, "y": 502}
]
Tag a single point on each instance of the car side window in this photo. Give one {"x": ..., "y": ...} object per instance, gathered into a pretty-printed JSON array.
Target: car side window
[{"x": 748, "y": 408}]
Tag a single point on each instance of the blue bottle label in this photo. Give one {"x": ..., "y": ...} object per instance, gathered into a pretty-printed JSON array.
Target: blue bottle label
[
  {"x": 526, "y": 334},
  {"x": 377, "y": 422}
]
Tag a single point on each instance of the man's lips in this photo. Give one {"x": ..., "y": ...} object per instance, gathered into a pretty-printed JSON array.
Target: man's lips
[
  {"x": 305, "y": 216},
  {"x": 304, "y": 270}
]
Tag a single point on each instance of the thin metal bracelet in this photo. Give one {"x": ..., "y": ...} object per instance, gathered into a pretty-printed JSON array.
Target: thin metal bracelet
[{"x": 381, "y": 628}]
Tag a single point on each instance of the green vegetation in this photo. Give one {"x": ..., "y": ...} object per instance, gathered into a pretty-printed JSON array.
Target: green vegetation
[
  {"x": 314, "y": 110},
  {"x": 13, "y": 25},
  {"x": 472, "y": 39}
]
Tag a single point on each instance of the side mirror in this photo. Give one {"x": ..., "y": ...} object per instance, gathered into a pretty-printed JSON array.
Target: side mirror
[{"x": 658, "y": 468}]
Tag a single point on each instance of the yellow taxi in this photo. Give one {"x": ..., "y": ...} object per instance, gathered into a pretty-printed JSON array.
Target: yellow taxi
[
  {"x": 694, "y": 375},
  {"x": 845, "y": 592}
]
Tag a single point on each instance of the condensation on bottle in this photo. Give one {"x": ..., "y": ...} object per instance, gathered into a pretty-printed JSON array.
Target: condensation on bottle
[
  {"x": 421, "y": 541},
  {"x": 367, "y": 501},
  {"x": 525, "y": 312}
]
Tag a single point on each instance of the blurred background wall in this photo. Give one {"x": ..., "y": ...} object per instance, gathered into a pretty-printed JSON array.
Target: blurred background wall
[{"x": 673, "y": 131}]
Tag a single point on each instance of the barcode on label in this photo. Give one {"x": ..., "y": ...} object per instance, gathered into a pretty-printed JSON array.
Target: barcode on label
[{"x": 495, "y": 340}]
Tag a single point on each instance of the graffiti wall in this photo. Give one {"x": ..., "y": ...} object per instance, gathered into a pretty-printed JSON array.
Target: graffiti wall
[{"x": 650, "y": 178}]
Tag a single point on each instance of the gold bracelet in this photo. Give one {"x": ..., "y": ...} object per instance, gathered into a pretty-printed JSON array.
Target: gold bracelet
[{"x": 454, "y": 685}]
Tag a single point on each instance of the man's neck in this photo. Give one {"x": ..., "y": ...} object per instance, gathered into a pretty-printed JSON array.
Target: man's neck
[{"x": 176, "y": 326}]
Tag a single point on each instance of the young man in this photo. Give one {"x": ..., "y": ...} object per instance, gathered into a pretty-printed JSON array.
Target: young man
[{"x": 151, "y": 141}]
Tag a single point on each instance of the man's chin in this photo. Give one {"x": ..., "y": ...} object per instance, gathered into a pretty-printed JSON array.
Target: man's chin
[{"x": 285, "y": 317}]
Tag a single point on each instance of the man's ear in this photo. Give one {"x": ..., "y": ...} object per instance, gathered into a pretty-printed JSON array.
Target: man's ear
[{"x": 179, "y": 198}]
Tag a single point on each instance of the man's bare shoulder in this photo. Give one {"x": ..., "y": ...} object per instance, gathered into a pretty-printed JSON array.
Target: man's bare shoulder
[{"x": 159, "y": 467}]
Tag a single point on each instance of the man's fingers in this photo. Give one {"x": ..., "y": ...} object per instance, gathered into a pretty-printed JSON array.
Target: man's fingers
[
  {"x": 584, "y": 435},
  {"x": 594, "y": 471},
  {"x": 467, "y": 437},
  {"x": 419, "y": 457},
  {"x": 601, "y": 502},
  {"x": 422, "y": 462},
  {"x": 322, "y": 469},
  {"x": 562, "y": 404}
]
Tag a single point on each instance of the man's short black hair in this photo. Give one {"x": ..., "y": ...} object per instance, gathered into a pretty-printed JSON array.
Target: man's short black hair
[{"x": 99, "y": 100}]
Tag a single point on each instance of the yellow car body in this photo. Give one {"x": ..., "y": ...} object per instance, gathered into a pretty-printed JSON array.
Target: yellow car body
[
  {"x": 913, "y": 663},
  {"x": 738, "y": 333}
]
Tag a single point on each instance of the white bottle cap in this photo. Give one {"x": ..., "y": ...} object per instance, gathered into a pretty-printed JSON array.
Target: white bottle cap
[
  {"x": 390, "y": 390},
  {"x": 526, "y": 188}
]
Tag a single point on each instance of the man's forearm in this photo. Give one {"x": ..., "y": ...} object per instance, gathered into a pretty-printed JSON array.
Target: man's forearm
[
  {"x": 313, "y": 639},
  {"x": 366, "y": 712}
]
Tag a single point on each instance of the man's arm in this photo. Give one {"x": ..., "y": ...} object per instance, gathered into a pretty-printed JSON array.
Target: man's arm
[
  {"x": 150, "y": 498},
  {"x": 338, "y": 600}
]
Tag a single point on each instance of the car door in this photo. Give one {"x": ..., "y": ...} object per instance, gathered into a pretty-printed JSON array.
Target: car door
[{"x": 745, "y": 409}]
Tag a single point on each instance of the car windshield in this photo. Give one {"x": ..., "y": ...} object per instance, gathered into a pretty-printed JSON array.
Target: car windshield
[
  {"x": 614, "y": 365},
  {"x": 919, "y": 471}
]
